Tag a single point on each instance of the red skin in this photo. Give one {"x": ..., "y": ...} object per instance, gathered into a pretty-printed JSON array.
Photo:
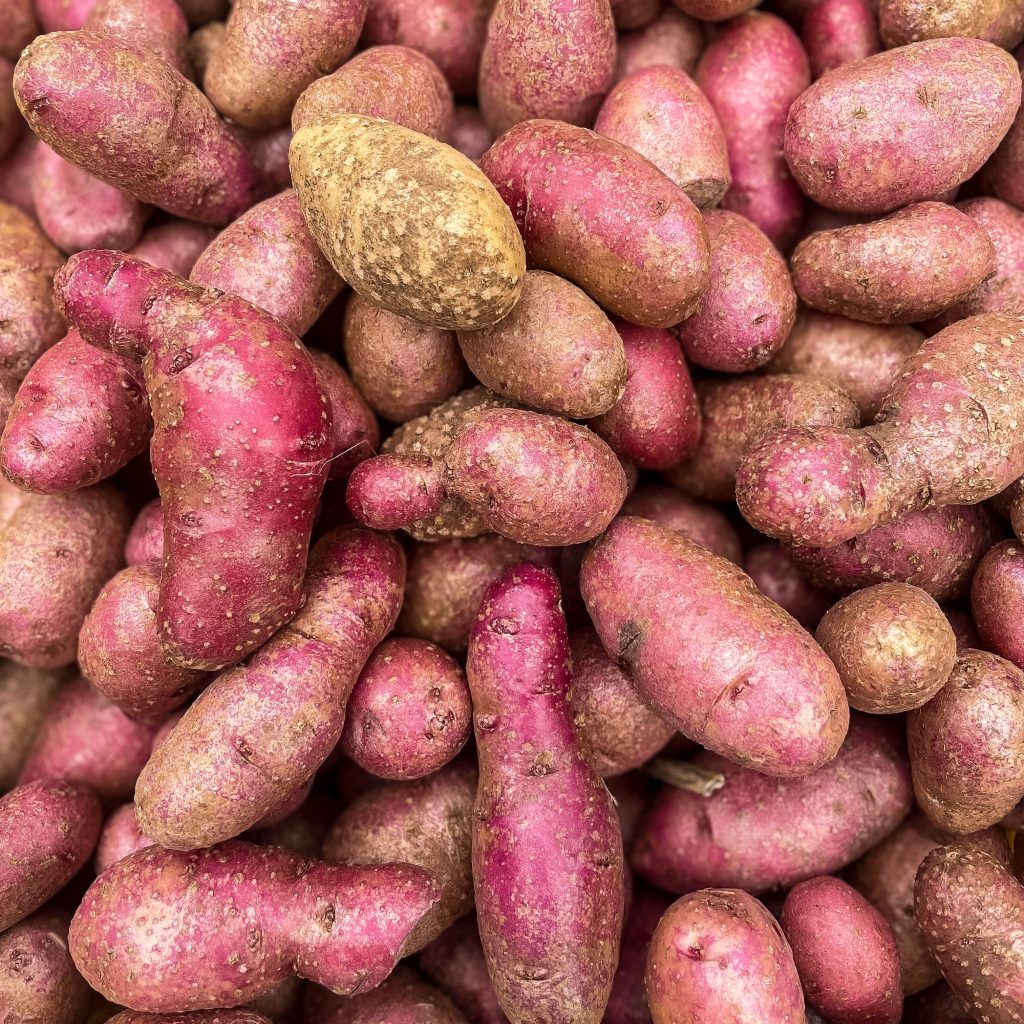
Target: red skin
[
  {"x": 17, "y": 172},
  {"x": 703, "y": 522},
  {"x": 120, "y": 837},
  {"x": 20, "y": 27},
  {"x": 836, "y": 32},
  {"x": 751, "y": 72},
  {"x": 656, "y": 423},
  {"x": 672, "y": 38},
  {"x": 63, "y": 15},
  {"x": 757, "y": 689},
  {"x": 718, "y": 955},
  {"x": 391, "y": 491},
  {"x": 845, "y": 953},
  {"x": 156, "y": 26},
  {"x": 997, "y": 600},
  {"x": 468, "y": 133},
  {"x": 235, "y": 515},
  {"x": 173, "y": 246},
  {"x": 184, "y": 923},
  {"x": 243, "y": 1015},
  {"x": 284, "y": 709},
  {"x": 776, "y": 575},
  {"x": 628, "y": 1001},
  {"x": 50, "y": 830},
  {"x": 145, "y": 541},
  {"x": 649, "y": 270},
  {"x": 356, "y": 432},
  {"x": 550, "y": 912},
  {"x": 80, "y": 414}
]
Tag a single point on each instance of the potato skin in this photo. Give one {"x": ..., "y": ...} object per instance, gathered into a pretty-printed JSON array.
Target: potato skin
[
  {"x": 25, "y": 694},
  {"x": 844, "y": 952},
  {"x": 662, "y": 114},
  {"x": 967, "y": 744},
  {"x": 718, "y": 955},
  {"x": 120, "y": 837},
  {"x": 702, "y": 522},
  {"x": 672, "y": 38},
  {"x": 356, "y": 432},
  {"x": 174, "y": 245},
  {"x": 758, "y": 691},
  {"x": 364, "y": 169},
  {"x": 807, "y": 826},
  {"x": 911, "y": 265},
  {"x": 468, "y": 133},
  {"x": 892, "y": 646},
  {"x": 10, "y": 118},
  {"x": 837, "y": 32},
  {"x": 242, "y": 1015},
  {"x": 546, "y": 59},
  {"x": 748, "y": 310},
  {"x": 886, "y": 111},
  {"x": 909, "y": 21},
  {"x": 145, "y": 540},
  {"x": 21, "y": 28},
  {"x": 997, "y": 600},
  {"x": 776, "y": 575},
  {"x": 646, "y": 259}
]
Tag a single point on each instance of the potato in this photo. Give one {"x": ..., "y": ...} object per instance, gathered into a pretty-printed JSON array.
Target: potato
[
  {"x": 145, "y": 541},
  {"x": 908, "y": 21},
  {"x": 242, "y": 1015},
  {"x": 700, "y": 521},
  {"x": 997, "y": 590},
  {"x": 25, "y": 694},
  {"x": 662, "y": 114},
  {"x": 356, "y": 433},
  {"x": 672, "y": 38},
  {"x": 546, "y": 60},
  {"x": 776, "y": 575},
  {"x": 20, "y": 20},
  {"x": 715, "y": 10},
  {"x": 468, "y": 133},
  {"x": 644, "y": 258},
  {"x": 373, "y": 195},
  {"x": 837, "y": 32},
  {"x": 967, "y": 744},
  {"x": 748, "y": 310},
  {"x": 10, "y": 118},
  {"x": 120, "y": 836},
  {"x": 892, "y": 646},
  {"x": 888, "y": 110},
  {"x": 174, "y": 245},
  {"x": 718, "y": 955},
  {"x": 455, "y": 963},
  {"x": 157, "y": 27},
  {"x": 907, "y": 267},
  {"x": 627, "y": 1003},
  {"x": 808, "y": 826}
]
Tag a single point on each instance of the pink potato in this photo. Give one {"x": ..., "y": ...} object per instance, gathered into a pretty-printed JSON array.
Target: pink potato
[
  {"x": 656, "y": 423},
  {"x": 700, "y": 521},
  {"x": 120, "y": 837},
  {"x": 757, "y": 689},
  {"x": 628, "y": 1002},
  {"x": 672, "y": 38},
  {"x": 157, "y": 27},
  {"x": 174, "y": 245},
  {"x": 844, "y": 951},
  {"x": 409, "y": 713},
  {"x": 243, "y": 521},
  {"x": 339, "y": 926},
  {"x": 261, "y": 730},
  {"x": 718, "y": 955},
  {"x": 630, "y": 14},
  {"x": 751, "y": 72},
  {"x": 997, "y": 600},
  {"x": 355, "y": 428},
  {"x": 145, "y": 542},
  {"x": 662, "y": 114},
  {"x": 886, "y": 111},
  {"x": 837, "y": 32},
  {"x": 468, "y": 133},
  {"x": 242, "y": 1015},
  {"x": 16, "y": 174},
  {"x": 748, "y": 310},
  {"x": 63, "y": 15},
  {"x": 645, "y": 257},
  {"x": 824, "y": 486},
  {"x": 50, "y": 829},
  {"x": 804, "y": 827},
  {"x": 25, "y": 694},
  {"x": 20, "y": 25},
  {"x": 550, "y": 912},
  {"x": 777, "y": 575}
]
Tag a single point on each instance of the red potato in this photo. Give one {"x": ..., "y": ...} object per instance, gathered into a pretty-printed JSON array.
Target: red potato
[
  {"x": 426, "y": 822},
  {"x": 907, "y": 267},
  {"x": 119, "y": 647},
  {"x": 776, "y": 574},
  {"x": 157, "y": 27},
  {"x": 339, "y": 926},
  {"x": 939, "y": 1005},
  {"x": 356, "y": 431},
  {"x": 50, "y": 831},
  {"x": 748, "y": 310},
  {"x": 91, "y": 742},
  {"x": 550, "y": 913},
  {"x": 10, "y": 118},
  {"x": 16, "y": 174},
  {"x": 997, "y": 592},
  {"x": 21, "y": 27},
  {"x": 409, "y": 713},
  {"x": 757, "y": 689},
  {"x": 862, "y": 359},
  {"x": 546, "y": 60},
  {"x": 468, "y": 133},
  {"x": 907, "y": 21},
  {"x": 844, "y": 952},
  {"x": 656, "y": 423},
  {"x": 715, "y": 10},
  {"x": 837, "y": 32},
  {"x": 967, "y": 744},
  {"x": 269, "y": 55},
  {"x": 649, "y": 269},
  {"x": 303, "y": 831},
  {"x": 56, "y": 552},
  {"x": 25, "y": 694},
  {"x": 703, "y": 523},
  {"x": 660, "y": 112},
  {"x": 935, "y": 549},
  {"x": 809, "y": 826},
  {"x": 628, "y": 1002},
  {"x": 273, "y": 489},
  {"x": 145, "y": 541},
  {"x": 963, "y": 628},
  {"x": 120, "y": 837},
  {"x": 174, "y": 245},
  {"x": 38, "y": 980},
  {"x": 751, "y": 72},
  {"x": 455, "y": 963},
  {"x": 825, "y": 486},
  {"x": 79, "y": 92},
  {"x": 393, "y": 82},
  {"x": 972, "y": 90},
  {"x": 80, "y": 414},
  {"x": 719, "y": 955},
  {"x": 243, "y": 1015},
  {"x": 261, "y": 730},
  {"x": 672, "y": 38},
  {"x": 630, "y": 14},
  {"x": 402, "y": 368}
]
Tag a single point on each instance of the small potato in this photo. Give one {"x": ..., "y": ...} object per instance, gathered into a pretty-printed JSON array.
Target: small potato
[
  {"x": 892, "y": 646},
  {"x": 997, "y": 600},
  {"x": 889, "y": 111},
  {"x": 174, "y": 245},
  {"x": 862, "y": 359},
  {"x": 967, "y": 744},
  {"x": 718, "y": 955},
  {"x": 702, "y": 522},
  {"x": 844, "y": 952},
  {"x": 468, "y": 133},
  {"x": 145, "y": 541},
  {"x": 366, "y": 185},
  {"x": 748, "y": 310},
  {"x": 715, "y": 10},
  {"x": 25, "y": 694},
  {"x": 630, "y": 14},
  {"x": 409, "y": 713},
  {"x": 672, "y": 38},
  {"x": 909, "y": 21},
  {"x": 776, "y": 575},
  {"x": 656, "y": 422},
  {"x": 121, "y": 836},
  {"x": 556, "y": 351},
  {"x": 454, "y": 962},
  {"x": 837, "y": 32},
  {"x": 356, "y": 433},
  {"x": 662, "y": 114},
  {"x": 19, "y": 27}
]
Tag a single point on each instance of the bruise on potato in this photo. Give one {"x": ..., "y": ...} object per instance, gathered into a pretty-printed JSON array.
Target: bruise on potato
[
  {"x": 757, "y": 689},
  {"x": 701, "y": 521},
  {"x": 25, "y": 694},
  {"x": 776, "y": 574},
  {"x": 408, "y": 222}
]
